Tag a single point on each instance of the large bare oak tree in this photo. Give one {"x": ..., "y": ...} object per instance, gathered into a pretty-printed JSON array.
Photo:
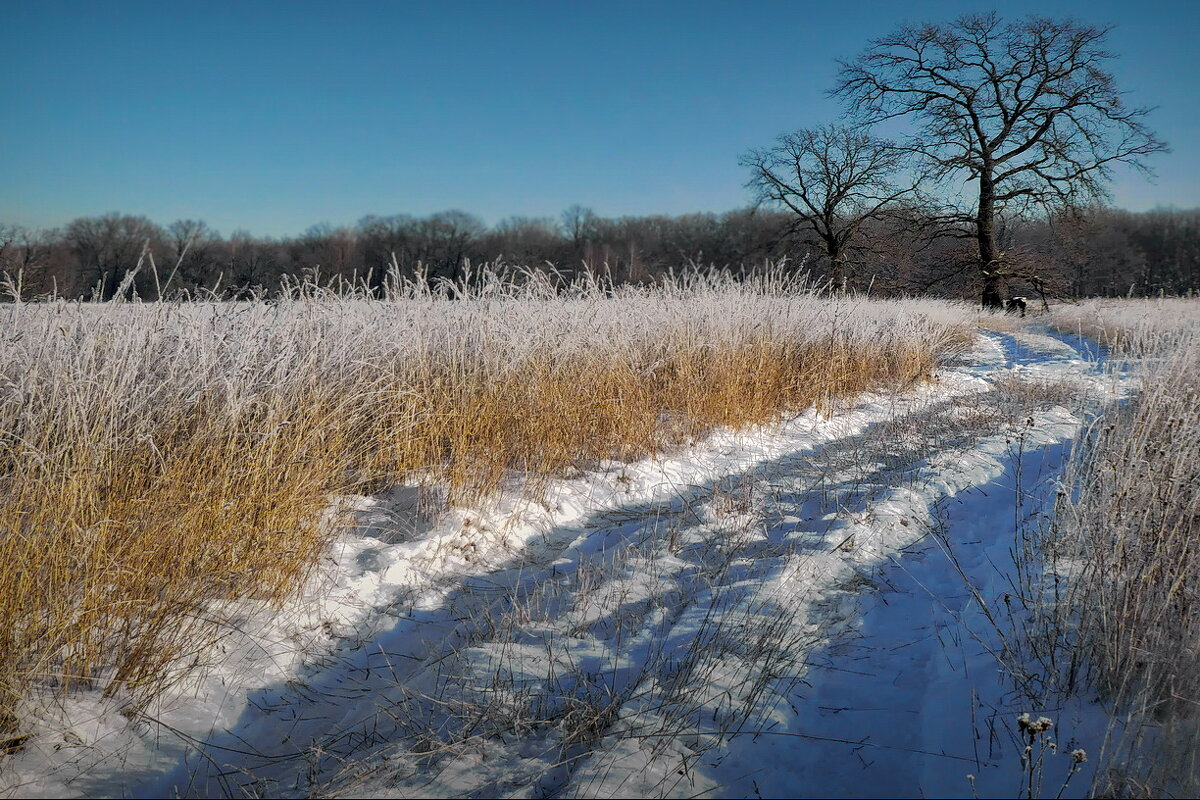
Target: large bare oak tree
[
  {"x": 834, "y": 179},
  {"x": 1027, "y": 110}
]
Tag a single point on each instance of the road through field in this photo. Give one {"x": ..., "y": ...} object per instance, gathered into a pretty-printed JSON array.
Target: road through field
[{"x": 816, "y": 608}]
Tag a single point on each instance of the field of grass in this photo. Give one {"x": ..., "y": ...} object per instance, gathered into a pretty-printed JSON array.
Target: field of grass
[
  {"x": 1130, "y": 326},
  {"x": 158, "y": 460},
  {"x": 1128, "y": 531}
]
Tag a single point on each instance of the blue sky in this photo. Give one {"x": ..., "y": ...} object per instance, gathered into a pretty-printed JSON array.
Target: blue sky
[{"x": 275, "y": 116}]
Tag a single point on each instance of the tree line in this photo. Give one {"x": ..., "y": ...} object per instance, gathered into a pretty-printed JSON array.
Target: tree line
[{"x": 1093, "y": 251}]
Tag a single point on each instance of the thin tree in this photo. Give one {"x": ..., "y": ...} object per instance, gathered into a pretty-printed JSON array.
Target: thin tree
[
  {"x": 1027, "y": 110},
  {"x": 833, "y": 179}
]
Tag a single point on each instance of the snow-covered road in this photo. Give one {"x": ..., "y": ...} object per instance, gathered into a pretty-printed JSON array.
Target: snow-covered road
[{"x": 812, "y": 608}]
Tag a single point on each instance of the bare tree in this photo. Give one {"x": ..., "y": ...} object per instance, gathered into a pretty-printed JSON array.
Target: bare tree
[
  {"x": 528, "y": 241},
  {"x": 833, "y": 179},
  {"x": 579, "y": 224},
  {"x": 447, "y": 236},
  {"x": 30, "y": 255},
  {"x": 325, "y": 250},
  {"x": 107, "y": 246},
  {"x": 192, "y": 254},
  {"x": 1026, "y": 109},
  {"x": 387, "y": 241},
  {"x": 251, "y": 262}
]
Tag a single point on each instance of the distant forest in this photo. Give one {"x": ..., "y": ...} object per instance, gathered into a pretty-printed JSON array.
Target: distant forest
[{"x": 1094, "y": 252}]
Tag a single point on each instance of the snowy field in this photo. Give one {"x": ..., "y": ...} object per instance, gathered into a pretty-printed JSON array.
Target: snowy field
[{"x": 820, "y": 607}]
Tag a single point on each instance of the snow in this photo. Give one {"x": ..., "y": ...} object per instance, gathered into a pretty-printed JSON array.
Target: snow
[{"x": 798, "y": 609}]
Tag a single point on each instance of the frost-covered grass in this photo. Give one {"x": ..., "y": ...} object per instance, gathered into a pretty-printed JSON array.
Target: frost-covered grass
[
  {"x": 1134, "y": 326},
  {"x": 1129, "y": 533},
  {"x": 625, "y": 624},
  {"x": 159, "y": 460}
]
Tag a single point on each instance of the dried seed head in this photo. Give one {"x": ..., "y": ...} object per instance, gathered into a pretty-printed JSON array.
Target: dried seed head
[{"x": 1026, "y": 724}]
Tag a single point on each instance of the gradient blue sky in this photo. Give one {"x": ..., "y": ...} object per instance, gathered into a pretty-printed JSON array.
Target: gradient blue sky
[{"x": 275, "y": 116}]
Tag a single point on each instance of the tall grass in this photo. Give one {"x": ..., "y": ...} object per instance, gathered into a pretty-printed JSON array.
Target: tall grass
[
  {"x": 1129, "y": 531},
  {"x": 159, "y": 459},
  {"x": 1136, "y": 326}
]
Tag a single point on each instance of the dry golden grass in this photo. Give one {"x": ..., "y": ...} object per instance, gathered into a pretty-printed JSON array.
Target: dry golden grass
[{"x": 157, "y": 460}]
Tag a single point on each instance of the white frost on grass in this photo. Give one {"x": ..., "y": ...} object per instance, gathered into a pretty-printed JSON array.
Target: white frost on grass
[{"x": 638, "y": 630}]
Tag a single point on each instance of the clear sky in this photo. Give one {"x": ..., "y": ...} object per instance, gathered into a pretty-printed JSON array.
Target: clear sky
[{"x": 275, "y": 116}]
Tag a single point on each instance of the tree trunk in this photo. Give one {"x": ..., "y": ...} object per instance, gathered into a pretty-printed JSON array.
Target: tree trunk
[
  {"x": 837, "y": 265},
  {"x": 837, "y": 275},
  {"x": 985, "y": 233}
]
